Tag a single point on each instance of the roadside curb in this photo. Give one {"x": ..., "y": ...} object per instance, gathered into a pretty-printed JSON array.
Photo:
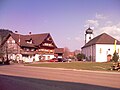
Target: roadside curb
[{"x": 73, "y": 70}]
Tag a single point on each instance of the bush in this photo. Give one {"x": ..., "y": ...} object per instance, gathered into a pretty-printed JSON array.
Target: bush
[
  {"x": 115, "y": 57},
  {"x": 80, "y": 57}
]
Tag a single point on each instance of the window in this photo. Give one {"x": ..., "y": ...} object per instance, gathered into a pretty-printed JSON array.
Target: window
[
  {"x": 13, "y": 41},
  {"x": 48, "y": 57},
  {"x": 32, "y": 49},
  {"x": 89, "y": 37},
  {"x": 47, "y": 44},
  {"x": 27, "y": 49},
  {"x": 8, "y": 41},
  {"x": 51, "y": 50},
  {"x": 49, "y": 39},
  {"x": 100, "y": 50},
  {"x": 29, "y": 42}
]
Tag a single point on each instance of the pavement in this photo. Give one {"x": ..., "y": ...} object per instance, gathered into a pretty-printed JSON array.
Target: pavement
[{"x": 19, "y": 77}]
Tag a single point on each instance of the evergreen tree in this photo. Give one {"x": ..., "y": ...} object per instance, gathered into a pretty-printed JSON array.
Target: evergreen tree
[{"x": 115, "y": 57}]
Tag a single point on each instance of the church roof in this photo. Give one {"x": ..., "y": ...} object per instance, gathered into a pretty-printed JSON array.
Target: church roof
[{"x": 101, "y": 39}]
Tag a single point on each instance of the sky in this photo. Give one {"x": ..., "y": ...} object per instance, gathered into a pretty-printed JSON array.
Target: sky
[{"x": 65, "y": 20}]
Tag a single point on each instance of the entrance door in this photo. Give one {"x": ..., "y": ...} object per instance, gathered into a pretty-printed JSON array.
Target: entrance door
[{"x": 109, "y": 57}]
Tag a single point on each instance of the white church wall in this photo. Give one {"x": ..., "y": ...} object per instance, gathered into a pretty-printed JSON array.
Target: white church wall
[
  {"x": 88, "y": 37},
  {"x": 102, "y": 50}
]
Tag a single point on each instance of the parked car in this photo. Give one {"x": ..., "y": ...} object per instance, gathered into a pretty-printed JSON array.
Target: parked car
[
  {"x": 69, "y": 60},
  {"x": 60, "y": 59},
  {"x": 53, "y": 60},
  {"x": 64, "y": 60}
]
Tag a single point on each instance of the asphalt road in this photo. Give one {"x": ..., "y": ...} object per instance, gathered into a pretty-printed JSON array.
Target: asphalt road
[{"x": 19, "y": 77}]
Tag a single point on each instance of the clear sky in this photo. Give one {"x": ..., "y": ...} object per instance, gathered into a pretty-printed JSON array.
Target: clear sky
[{"x": 66, "y": 20}]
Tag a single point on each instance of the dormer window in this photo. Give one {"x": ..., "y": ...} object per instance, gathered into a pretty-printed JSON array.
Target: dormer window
[{"x": 29, "y": 41}]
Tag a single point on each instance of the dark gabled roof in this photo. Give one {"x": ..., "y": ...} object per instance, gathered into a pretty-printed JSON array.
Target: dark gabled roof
[
  {"x": 101, "y": 39},
  {"x": 37, "y": 39}
]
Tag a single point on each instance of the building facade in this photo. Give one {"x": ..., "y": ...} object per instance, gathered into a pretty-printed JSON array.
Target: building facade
[
  {"x": 101, "y": 48},
  {"x": 28, "y": 48}
]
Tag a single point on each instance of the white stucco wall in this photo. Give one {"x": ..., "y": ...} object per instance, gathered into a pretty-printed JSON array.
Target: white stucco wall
[
  {"x": 106, "y": 49},
  {"x": 87, "y": 37},
  {"x": 100, "y": 56},
  {"x": 37, "y": 57},
  {"x": 48, "y": 56},
  {"x": 28, "y": 59}
]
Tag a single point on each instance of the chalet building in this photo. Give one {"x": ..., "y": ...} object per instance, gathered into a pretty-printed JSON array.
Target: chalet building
[
  {"x": 29, "y": 48},
  {"x": 100, "y": 48}
]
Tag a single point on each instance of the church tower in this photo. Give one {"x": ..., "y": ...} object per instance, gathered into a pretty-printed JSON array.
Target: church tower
[{"x": 88, "y": 35}]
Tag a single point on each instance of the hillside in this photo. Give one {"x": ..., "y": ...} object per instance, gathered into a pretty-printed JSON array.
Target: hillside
[{"x": 4, "y": 33}]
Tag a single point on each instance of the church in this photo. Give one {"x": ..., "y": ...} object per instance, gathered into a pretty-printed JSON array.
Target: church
[{"x": 100, "y": 48}]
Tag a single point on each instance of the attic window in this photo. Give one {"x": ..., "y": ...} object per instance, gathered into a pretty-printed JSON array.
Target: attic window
[
  {"x": 29, "y": 41},
  {"x": 49, "y": 39},
  {"x": 13, "y": 41}
]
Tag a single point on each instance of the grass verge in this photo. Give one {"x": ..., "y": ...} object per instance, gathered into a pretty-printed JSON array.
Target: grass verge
[{"x": 77, "y": 65}]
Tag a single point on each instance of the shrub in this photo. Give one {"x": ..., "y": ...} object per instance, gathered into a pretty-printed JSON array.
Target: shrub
[
  {"x": 80, "y": 57},
  {"x": 115, "y": 57}
]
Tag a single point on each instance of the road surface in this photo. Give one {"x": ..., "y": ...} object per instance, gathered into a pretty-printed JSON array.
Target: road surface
[{"x": 19, "y": 77}]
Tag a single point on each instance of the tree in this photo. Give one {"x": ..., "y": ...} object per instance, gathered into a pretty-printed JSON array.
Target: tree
[
  {"x": 66, "y": 52},
  {"x": 115, "y": 57},
  {"x": 80, "y": 57}
]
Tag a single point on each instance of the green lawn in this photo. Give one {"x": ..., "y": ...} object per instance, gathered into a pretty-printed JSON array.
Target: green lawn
[{"x": 77, "y": 65}]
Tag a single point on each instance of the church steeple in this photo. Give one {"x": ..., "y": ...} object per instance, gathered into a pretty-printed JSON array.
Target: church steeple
[{"x": 88, "y": 35}]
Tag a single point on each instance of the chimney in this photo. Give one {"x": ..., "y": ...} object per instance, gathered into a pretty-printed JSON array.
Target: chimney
[
  {"x": 30, "y": 33},
  {"x": 16, "y": 32}
]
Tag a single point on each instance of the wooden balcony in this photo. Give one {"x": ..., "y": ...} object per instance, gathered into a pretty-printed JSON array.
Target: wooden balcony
[{"x": 28, "y": 52}]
